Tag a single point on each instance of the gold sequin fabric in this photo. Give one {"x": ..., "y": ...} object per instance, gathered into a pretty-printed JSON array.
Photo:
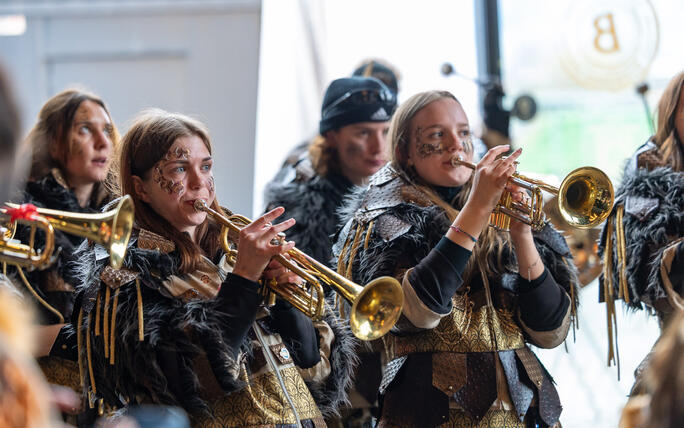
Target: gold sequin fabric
[
  {"x": 262, "y": 403},
  {"x": 491, "y": 419},
  {"x": 483, "y": 330},
  {"x": 60, "y": 371}
]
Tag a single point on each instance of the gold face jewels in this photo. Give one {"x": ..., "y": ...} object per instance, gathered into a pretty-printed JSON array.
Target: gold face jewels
[{"x": 166, "y": 184}]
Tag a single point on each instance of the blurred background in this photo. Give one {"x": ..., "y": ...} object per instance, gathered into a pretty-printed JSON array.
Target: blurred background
[{"x": 255, "y": 70}]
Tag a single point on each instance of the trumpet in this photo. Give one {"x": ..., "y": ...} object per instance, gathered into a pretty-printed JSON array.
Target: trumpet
[
  {"x": 585, "y": 199},
  {"x": 111, "y": 229},
  {"x": 376, "y": 307}
]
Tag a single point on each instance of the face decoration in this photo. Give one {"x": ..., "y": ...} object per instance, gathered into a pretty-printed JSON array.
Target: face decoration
[
  {"x": 166, "y": 184},
  {"x": 424, "y": 149}
]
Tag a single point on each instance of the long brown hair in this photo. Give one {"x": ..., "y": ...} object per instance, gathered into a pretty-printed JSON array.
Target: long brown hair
[
  {"x": 150, "y": 137},
  {"x": 669, "y": 150},
  {"x": 51, "y": 131},
  {"x": 324, "y": 158},
  {"x": 488, "y": 252}
]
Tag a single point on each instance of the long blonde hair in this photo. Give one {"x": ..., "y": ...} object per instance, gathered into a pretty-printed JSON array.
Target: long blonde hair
[
  {"x": 488, "y": 252},
  {"x": 669, "y": 151}
]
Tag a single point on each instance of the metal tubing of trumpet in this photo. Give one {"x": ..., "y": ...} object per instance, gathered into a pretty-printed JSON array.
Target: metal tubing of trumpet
[
  {"x": 111, "y": 229},
  {"x": 375, "y": 307},
  {"x": 26, "y": 255}
]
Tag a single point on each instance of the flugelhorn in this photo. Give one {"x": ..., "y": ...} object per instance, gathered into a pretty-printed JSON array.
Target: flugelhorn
[
  {"x": 585, "y": 198},
  {"x": 111, "y": 229},
  {"x": 376, "y": 307}
]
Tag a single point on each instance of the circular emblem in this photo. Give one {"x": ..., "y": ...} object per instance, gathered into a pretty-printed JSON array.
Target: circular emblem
[
  {"x": 284, "y": 353},
  {"x": 608, "y": 45},
  {"x": 205, "y": 279}
]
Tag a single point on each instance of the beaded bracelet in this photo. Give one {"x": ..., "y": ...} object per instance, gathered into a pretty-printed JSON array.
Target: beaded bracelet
[{"x": 458, "y": 229}]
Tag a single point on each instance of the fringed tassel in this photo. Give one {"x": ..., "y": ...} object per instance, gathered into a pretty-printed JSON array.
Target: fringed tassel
[
  {"x": 623, "y": 287},
  {"x": 37, "y": 297},
  {"x": 112, "y": 330},
  {"x": 368, "y": 234},
  {"x": 97, "y": 315},
  {"x": 79, "y": 345},
  {"x": 342, "y": 268},
  {"x": 141, "y": 322},
  {"x": 89, "y": 355},
  {"x": 352, "y": 252},
  {"x": 105, "y": 321},
  {"x": 611, "y": 319},
  {"x": 574, "y": 318}
]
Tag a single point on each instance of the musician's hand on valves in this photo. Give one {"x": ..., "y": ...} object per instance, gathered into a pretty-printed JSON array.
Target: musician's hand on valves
[
  {"x": 491, "y": 176},
  {"x": 519, "y": 231},
  {"x": 275, "y": 273},
  {"x": 259, "y": 242}
]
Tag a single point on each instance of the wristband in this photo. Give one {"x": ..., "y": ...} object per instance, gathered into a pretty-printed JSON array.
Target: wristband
[{"x": 458, "y": 229}]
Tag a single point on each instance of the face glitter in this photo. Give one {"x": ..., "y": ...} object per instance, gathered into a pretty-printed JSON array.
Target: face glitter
[{"x": 165, "y": 183}]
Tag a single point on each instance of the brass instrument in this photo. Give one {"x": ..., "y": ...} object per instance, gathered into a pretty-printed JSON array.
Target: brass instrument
[
  {"x": 375, "y": 307},
  {"x": 585, "y": 198},
  {"x": 111, "y": 229}
]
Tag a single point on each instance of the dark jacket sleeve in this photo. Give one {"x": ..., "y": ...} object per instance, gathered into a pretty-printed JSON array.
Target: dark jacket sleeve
[
  {"x": 438, "y": 276},
  {"x": 543, "y": 304},
  {"x": 298, "y": 333}
]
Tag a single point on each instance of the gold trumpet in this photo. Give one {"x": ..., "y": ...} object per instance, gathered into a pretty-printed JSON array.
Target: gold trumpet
[
  {"x": 111, "y": 229},
  {"x": 585, "y": 198},
  {"x": 375, "y": 307}
]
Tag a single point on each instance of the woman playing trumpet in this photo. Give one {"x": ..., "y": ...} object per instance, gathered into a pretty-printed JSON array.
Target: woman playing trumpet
[
  {"x": 473, "y": 297},
  {"x": 175, "y": 325}
]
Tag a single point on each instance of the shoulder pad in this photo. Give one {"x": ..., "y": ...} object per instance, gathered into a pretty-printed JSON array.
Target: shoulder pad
[
  {"x": 385, "y": 174},
  {"x": 389, "y": 227},
  {"x": 641, "y": 207},
  {"x": 151, "y": 241},
  {"x": 115, "y": 278}
]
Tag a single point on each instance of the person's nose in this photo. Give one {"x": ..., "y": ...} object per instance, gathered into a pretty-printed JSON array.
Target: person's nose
[
  {"x": 195, "y": 179},
  {"x": 102, "y": 140},
  {"x": 453, "y": 142},
  {"x": 376, "y": 142}
]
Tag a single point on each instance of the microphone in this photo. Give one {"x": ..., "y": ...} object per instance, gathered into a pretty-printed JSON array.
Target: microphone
[{"x": 447, "y": 69}]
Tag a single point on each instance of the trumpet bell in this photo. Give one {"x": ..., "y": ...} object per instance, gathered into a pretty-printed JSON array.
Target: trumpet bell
[
  {"x": 376, "y": 308},
  {"x": 585, "y": 197}
]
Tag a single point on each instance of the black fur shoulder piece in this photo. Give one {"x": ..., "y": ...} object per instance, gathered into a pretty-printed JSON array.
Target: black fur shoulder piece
[
  {"x": 175, "y": 333},
  {"x": 313, "y": 204},
  {"x": 653, "y": 204},
  {"x": 331, "y": 394}
]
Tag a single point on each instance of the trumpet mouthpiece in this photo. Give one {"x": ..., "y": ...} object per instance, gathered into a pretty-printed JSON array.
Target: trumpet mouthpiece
[{"x": 200, "y": 204}]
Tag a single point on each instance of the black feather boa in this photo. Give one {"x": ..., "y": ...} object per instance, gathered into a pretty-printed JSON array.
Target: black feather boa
[
  {"x": 646, "y": 238},
  {"x": 181, "y": 331}
]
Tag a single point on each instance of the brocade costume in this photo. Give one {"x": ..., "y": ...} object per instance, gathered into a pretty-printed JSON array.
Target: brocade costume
[
  {"x": 458, "y": 355},
  {"x": 641, "y": 246},
  {"x": 202, "y": 341}
]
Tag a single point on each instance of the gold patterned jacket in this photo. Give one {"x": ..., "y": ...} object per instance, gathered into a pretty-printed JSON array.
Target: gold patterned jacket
[
  {"x": 149, "y": 335},
  {"x": 469, "y": 365}
]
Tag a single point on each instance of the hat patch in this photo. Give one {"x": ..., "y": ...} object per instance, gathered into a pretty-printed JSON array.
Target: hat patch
[{"x": 381, "y": 114}]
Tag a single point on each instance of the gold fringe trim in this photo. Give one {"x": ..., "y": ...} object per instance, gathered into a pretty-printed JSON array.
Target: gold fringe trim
[
  {"x": 141, "y": 322},
  {"x": 37, "y": 297},
  {"x": 79, "y": 345},
  {"x": 97, "y": 315},
  {"x": 112, "y": 330},
  {"x": 609, "y": 298},
  {"x": 90, "y": 358},
  {"x": 105, "y": 321},
  {"x": 368, "y": 234},
  {"x": 623, "y": 287},
  {"x": 352, "y": 252}
]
